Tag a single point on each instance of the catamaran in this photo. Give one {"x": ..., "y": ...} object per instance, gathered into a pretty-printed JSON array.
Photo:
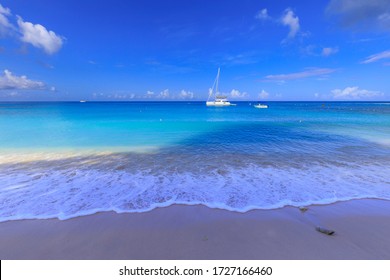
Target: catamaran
[{"x": 219, "y": 100}]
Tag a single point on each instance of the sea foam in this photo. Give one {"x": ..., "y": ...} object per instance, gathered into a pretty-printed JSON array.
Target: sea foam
[{"x": 66, "y": 189}]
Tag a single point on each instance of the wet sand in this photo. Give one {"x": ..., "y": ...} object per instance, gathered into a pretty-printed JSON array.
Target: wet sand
[{"x": 362, "y": 231}]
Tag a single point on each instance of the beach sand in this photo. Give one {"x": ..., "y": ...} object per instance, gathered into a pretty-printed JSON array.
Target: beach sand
[{"x": 362, "y": 231}]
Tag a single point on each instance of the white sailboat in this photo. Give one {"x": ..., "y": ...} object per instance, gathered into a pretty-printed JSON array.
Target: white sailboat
[{"x": 219, "y": 100}]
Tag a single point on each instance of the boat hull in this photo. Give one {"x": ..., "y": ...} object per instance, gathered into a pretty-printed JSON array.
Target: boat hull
[
  {"x": 261, "y": 106},
  {"x": 218, "y": 104}
]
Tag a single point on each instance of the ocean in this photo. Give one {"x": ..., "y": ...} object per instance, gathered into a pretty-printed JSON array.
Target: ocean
[{"x": 68, "y": 159}]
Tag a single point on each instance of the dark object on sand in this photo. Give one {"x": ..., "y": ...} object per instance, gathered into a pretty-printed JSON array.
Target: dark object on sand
[
  {"x": 303, "y": 209},
  {"x": 325, "y": 230}
]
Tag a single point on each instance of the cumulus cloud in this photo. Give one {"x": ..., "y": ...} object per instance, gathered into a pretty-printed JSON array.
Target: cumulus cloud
[
  {"x": 329, "y": 51},
  {"x": 38, "y": 36},
  {"x": 9, "y": 81},
  {"x": 237, "y": 94},
  {"x": 289, "y": 19},
  {"x": 309, "y": 72},
  {"x": 4, "y": 10},
  {"x": 361, "y": 14},
  {"x": 263, "y": 94},
  {"x": 355, "y": 93},
  {"x": 376, "y": 57},
  {"x": 262, "y": 15},
  {"x": 292, "y": 21},
  {"x": 5, "y": 25},
  {"x": 186, "y": 94},
  {"x": 164, "y": 94},
  {"x": 34, "y": 34}
]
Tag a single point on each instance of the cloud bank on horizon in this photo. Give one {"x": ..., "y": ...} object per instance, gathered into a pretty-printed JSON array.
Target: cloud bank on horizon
[{"x": 149, "y": 50}]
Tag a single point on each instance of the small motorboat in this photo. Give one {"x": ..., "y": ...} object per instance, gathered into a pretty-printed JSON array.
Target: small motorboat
[{"x": 261, "y": 106}]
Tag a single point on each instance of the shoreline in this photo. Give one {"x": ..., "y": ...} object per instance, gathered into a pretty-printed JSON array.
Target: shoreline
[
  {"x": 179, "y": 204},
  {"x": 361, "y": 226}
]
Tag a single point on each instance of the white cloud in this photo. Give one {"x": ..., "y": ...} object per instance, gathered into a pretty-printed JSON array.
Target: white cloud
[
  {"x": 164, "y": 94},
  {"x": 39, "y": 36},
  {"x": 310, "y": 72},
  {"x": 262, "y": 15},
  {"x": 186, "y": 94},
  {"x": 149, "y": 93},
  {"x": 362, "y": 14},
  {"x": 329, "y": 51},
  {"x": 376, "y": 57},
  {"x": 263, "y": 94},
  {"x": 5, "y": 25},
  {"x": 5, "y": 11},
  {"x": 237, "y": 94},
  {"x": 34, "y": 34},
  {"x": 292, "y": 21},
  {"x": 119, "y": 95},
  {"x": 354, "y": 93},
  {"x": 9, "y": 81},
  {"x": 384, "y": 19}
]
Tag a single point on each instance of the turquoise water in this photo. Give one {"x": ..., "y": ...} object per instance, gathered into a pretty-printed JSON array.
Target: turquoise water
[{"x": 70, "y": 159}]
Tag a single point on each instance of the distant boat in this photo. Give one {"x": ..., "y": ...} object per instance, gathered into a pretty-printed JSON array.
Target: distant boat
[
  {"x": 83, "y": 101},
  {"x": 261, "y": 106},
  {"x": 219, "y": 100}
]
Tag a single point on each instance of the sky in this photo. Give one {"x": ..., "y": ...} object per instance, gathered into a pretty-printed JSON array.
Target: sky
[{"x": 170, "y": 50}]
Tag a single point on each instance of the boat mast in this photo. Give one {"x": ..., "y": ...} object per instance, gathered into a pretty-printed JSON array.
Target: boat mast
[
  {"x": 214, "y": 85},
  {"x": 217, "y": 82}
]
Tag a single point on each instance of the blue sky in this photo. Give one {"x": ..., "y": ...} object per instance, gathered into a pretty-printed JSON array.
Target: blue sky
[{"x": 170, "y": 50}]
